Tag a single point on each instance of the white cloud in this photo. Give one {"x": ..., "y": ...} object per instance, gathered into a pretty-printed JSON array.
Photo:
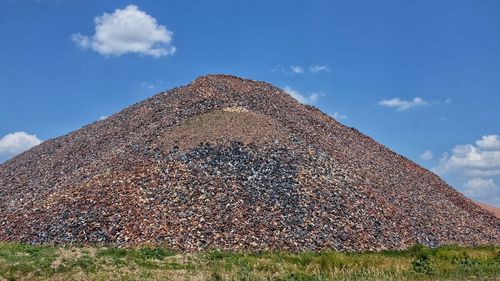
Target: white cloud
[
  {"x": 148, "y": 85},
  {"x": 296, "y": 69},
  {"x": 128, "y": 30},
  {"x": 470, "y": 160},
  {"x": 319, "y": 68},
  {"x": 104, "y": 117},
  {"x": 448, "y": 101},
  {"x": 152, "y": 85},
  {"x": 339, "y": 116},
  {"x": 485, "y": 190},
  {"x": 15, "y": 143},
  {"x": 489, "y": 142},
  {"x": 477, "y": 166},
  {"x": 402, "y": 105},
  {"x": 427, "y": 155},
  {"x": 276, "y": 68},
  {"x": 312, "y": 98}
]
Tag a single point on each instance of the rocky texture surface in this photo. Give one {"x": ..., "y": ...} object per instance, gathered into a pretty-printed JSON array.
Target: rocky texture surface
[
  {"x": 231, "y": 164},
  {"x": 492, "y": 209}
]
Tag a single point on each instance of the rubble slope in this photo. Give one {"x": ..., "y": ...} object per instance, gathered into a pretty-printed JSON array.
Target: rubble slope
[{"x": 231, "y": 164}]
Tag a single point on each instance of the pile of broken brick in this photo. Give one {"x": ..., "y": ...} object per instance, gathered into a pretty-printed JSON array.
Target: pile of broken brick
[{"x": 230, "y": 164}]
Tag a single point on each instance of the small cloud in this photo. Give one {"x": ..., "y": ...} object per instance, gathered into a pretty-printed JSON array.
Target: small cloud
[
  {"x": 489, "y": 142},
  {"x": 276, "y": 68},
  {"x": 103, "y": 117},
  {"x": 448, "y": 101},
  {"x": 402, "y": 105},
  {"x": 339, "y": 116},
  {"x": 484, "y": 190},
  {"x": 427, "y": 155},
  {"x": 152, "y": 85},
  {"x": 479, "y": 183},
  {"x": 15, "y": 143},
  {"x": 312, "y": 98},
  {"x": 148, "y": 85},
  {"x": 478, "y": 165},
  {"x": 473, "y": 161},
  {"x": 319, "y": 68},
  {"x": 128, "y": 30},
  {"x": 296, "y": 69}
]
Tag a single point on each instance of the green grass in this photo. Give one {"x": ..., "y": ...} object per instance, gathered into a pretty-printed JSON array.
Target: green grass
[{"x": 27, "y": 262}]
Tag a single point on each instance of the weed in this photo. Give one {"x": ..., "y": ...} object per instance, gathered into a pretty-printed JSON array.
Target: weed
[
  {"x": 421, "y": 264},
  {"x": 29, "y": 262},
  {"x": 155, "y": 253}
]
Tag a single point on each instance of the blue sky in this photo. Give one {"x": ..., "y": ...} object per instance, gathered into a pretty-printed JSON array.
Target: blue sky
[{"x": 417, "y": 76}]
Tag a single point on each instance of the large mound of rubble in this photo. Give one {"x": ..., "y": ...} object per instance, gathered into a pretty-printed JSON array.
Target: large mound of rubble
[{"x": 231, "y": 164}]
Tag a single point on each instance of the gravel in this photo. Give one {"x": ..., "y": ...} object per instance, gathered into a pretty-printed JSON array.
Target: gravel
[{"x": 230, "y": 164}]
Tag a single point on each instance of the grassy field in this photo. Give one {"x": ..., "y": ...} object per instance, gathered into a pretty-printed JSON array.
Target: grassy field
[{"x": 26, "y": 262}]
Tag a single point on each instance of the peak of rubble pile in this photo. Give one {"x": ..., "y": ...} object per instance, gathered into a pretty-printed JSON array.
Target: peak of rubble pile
[{"x": 232, "y": 164}]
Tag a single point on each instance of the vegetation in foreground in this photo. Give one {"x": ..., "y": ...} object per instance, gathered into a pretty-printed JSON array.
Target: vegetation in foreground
[{"x": 27, "y": 262}]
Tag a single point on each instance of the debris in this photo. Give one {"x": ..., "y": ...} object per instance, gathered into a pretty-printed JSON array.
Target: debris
[{"x": 235, "y": 165}]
